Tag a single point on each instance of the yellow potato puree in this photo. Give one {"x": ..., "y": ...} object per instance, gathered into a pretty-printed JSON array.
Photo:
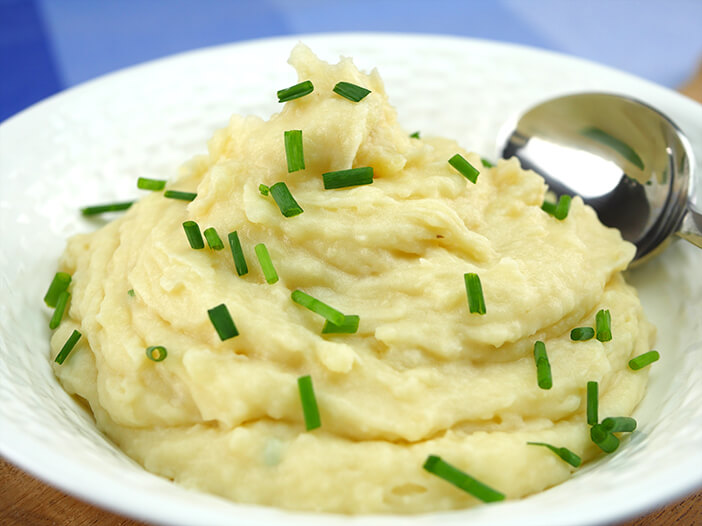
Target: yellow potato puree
[{"x": 422, "y": 376}]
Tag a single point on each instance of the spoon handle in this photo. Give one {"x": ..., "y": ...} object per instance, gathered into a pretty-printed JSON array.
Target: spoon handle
[
  {"x": 692, "y": 222},
  {"x": 691, "y": 227}
]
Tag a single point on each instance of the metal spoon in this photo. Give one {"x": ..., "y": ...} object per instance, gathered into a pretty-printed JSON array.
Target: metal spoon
[{"x": 625, "y": 159}]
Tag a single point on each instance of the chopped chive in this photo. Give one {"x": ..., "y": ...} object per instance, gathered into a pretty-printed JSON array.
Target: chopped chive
[
  {"x": 60, "y": 308},
  {"x": 561, "y": 211},
  {"x": 592, "y": 403},
  {"x": 318, "y": 307},
  {"x": 582, "y": 334},
  {"x": 605, "y": 440},
  {"x": 263, "y": 189},
  {"x": 617, "y": 424},
  {"x": 183, "y": 196},
  {"x": 309, "y": 403},
  {"x": 643, "y": 360},
  {"x": 238, "y": 254},
  {"x": 351, "y": 177},
  {"x": 566, "y": 454},
  {"x": 156, "y": 353},
  {"x": 414, "y": 135},
  {"x": 293, "y": 150},
  {"x": 558, "y": 210},
  {"x": 58, "y": 285},
  {"x": 213, "y": 239},
  {"x": 486, "y": 163},
  {"x": 351, "y": 91},
  {"x": 222, "y": 321},
  {"x": 543, "y": 367},
  {"x": 349, "y": 326},
  {"x": 130, "y": 292},
  {"x": 296, "y": 91},
  {"x": 192, "y": 231},
  {"x": 466, "y": 169},
  {"x": 68, "y": 347},
  {"x": 145, "y": 183},
  {"x": 603, "y": 322},
  {"x": 101, "y": 209},
  {"x": 267, "y": 267},
  {"x": 548, "y": 207},
  {"x": 442, "y": 469},
  {"x": 285, "y": 201},
  {"x": 474, "y": 290}
]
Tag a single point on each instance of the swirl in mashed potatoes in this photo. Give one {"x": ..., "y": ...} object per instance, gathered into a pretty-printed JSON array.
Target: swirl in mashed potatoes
[{"x": 421, "y": 376}]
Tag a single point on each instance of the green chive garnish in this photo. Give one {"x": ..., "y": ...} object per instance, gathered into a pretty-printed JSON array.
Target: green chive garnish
[
  {"x": 582, "y": 334},
  {"x": 558, "y": 210},
  {"x": 213, "y": 240},
  {"x": 192, "y": 231},
  {"x": 548, "y": 207},
  {"x": 309, "y": 403},
  {"x": 157, "y": 353},
  {"x": 351, "y": 177},
  {"x": 267, "y": 267},
  {"x": 486, "y": 163},
  {"x": 60, "y": 308},
  {"x": 349, "y": 326},
  {"x": 592, "y": 403},
  {"x": 543, "y": 367},
  {"x": 296, "y": 91},
  {"x": 285, "y": 201},
  {"x": 619, "y": 424},
  {"x": 101, "y": 209},
  {"x": 238, "y": 254},
  {"x": 414, "y": 135},
  {"x": 643, "y": 360},
  {"x": 263, "y": 189},
  {"x": 67, "y": 347},
  {"x": 605, "y": 440},
  {"x": 466, "y": 169},
  {"x": 566, "y": 454},
  {"x": 318, "y": 307},
  {"x": 293, "y": 150},
  {"x": 183, "y": 196},
  {"x": 561, "y": 211},
  {"x": 474, "y": 290},
  {"x": 222, "y": 321},
  {"x": 603, "y": 322},
  {"x": 351, "y": 91},
  {"x": 145, "y": 183},
  {"x": 130, "y": 292},
  {"x": 442, "y": 469},
  {"x": 58, "y": 285}
]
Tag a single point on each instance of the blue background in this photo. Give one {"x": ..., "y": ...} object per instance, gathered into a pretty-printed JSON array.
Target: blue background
[{"x": 50, "y": 45}]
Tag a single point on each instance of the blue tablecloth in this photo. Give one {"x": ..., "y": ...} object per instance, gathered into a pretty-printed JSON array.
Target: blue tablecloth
[{"x": 50, "y": 45}]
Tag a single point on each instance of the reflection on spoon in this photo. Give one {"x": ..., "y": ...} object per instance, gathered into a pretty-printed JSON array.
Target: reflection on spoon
[
  {"x": 624, "y": 158},
  {"x": 615, "y": 144}
]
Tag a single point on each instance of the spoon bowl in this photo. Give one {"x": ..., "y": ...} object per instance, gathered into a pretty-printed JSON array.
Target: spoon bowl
[{"x": 628, "y": 161}]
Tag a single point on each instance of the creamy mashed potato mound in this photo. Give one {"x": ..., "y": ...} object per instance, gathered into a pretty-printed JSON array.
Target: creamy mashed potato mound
[{"x": 421, "y": 376}]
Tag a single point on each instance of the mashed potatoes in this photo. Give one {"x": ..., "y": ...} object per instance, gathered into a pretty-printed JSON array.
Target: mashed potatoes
[{"x": 422, "y": 376}]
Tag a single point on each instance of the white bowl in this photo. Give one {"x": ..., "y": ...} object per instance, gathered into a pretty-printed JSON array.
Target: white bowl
[{"x": 88, "y": 144}]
